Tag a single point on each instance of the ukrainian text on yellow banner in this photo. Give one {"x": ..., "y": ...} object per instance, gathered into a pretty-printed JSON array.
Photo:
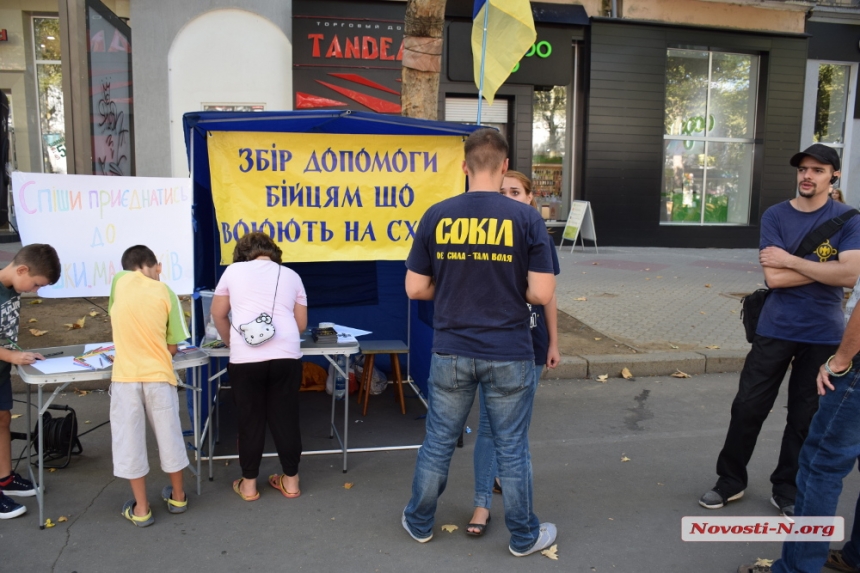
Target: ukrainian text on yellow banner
[{"x": 330, "y": 197}]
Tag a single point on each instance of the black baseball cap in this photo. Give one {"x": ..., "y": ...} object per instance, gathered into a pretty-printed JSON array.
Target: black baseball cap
[{"x": 819, "y": 151}]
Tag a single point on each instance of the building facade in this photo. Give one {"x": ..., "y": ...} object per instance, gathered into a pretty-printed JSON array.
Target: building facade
[{"x": 675, "y": 119}]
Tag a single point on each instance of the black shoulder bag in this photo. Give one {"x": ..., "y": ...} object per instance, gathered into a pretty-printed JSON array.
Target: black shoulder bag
[{"x": 753, "y": 303}]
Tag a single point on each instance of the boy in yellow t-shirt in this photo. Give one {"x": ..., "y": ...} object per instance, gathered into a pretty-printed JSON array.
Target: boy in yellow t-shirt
[{"x": 147, "y": 325}]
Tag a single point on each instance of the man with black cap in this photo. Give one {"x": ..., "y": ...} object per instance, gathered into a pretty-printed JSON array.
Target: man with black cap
[{"x": 801, "y": 325}]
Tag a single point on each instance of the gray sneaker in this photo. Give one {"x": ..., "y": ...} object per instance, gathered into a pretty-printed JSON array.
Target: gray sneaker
[
  {"x": 785, "y": 505},
  {"x": 409, "y": 531},
  {"x": 713, "y": 499},
  {"x": 546, "y": 537}
]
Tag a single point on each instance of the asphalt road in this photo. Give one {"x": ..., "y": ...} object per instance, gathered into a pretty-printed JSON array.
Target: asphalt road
[{"x": 612, "y": 515}]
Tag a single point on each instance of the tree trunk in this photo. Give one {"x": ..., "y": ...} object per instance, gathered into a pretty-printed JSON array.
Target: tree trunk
[{"x": 422, "y": 58}]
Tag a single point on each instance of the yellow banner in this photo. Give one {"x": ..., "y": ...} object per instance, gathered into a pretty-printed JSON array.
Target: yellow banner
[{"x": 330, "y": 197}]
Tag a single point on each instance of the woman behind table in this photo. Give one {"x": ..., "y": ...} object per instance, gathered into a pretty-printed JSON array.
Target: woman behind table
[
  {"x": 265, "y": 376},
  {"x": 544, "y": 330}
]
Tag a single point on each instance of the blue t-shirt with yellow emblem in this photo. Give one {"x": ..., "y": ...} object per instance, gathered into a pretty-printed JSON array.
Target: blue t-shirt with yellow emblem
[
  {"x": 479, "y": 248},
  {"x": 810, "y": 313}
]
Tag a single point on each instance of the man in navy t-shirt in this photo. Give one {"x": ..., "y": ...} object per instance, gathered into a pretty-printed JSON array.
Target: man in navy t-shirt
[
  {"x": 801, "y": 325},
  {"x": 481, "y": 257}
]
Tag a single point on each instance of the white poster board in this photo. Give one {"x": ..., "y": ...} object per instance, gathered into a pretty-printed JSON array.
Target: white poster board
[
  {"x": 580, "y": 223},
  {"x": 91, "y": 220}
]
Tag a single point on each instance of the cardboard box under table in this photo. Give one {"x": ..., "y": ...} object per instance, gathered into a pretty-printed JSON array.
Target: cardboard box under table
[{"x": 192, "y": 358}]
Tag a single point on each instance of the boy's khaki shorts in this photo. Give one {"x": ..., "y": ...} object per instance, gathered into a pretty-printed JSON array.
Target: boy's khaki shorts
[{"x": 130, "y": 404}]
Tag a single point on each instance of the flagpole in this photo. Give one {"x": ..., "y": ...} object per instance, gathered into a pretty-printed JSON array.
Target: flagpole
[{"x": 483, "y": 59}]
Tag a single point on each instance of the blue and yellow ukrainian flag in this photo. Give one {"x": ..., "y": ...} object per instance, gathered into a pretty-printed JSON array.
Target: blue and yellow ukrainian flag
[{"x": 510, "y": 33}]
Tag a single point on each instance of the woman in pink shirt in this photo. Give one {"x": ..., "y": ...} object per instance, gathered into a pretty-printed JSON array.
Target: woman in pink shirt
[{"x": 269, "y": 312}]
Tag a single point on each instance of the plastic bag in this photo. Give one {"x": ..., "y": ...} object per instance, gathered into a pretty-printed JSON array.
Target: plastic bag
[
  {"x": 378, "y": 380},
  {"x": 353, "y": 379}
]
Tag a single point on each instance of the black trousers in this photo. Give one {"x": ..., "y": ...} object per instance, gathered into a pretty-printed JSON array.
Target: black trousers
[
  {"x": 762, "y": 374},
  {"x": 267, "y": 394}
]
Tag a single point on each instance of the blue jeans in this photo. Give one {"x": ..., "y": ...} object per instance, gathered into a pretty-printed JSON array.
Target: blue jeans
[
  {"x": 485, "y": 453},
  {"x": 828, "y": 455},
  {"x": 508, "y": 389}
]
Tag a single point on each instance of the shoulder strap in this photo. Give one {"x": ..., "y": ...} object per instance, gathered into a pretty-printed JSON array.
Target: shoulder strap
[{"x": 823, "y": 232}]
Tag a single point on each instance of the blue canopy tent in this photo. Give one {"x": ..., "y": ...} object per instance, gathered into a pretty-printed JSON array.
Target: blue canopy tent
[{"x": 363, "y": 294}]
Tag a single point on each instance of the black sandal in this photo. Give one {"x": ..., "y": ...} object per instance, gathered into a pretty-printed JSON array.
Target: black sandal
[
  {"x": 481, "y": 527},
  {"x": 497, "y": 485}
]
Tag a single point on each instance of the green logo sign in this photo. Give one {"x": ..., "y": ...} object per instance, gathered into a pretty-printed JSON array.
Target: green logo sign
[{"x": 542, "y": 49}]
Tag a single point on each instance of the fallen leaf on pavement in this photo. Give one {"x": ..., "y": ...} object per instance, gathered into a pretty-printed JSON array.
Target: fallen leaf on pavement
[
  {"x": 348, "y": 485},
  {"x": 16, "y": 416},
  {"x": 32, "y": 320},
  {"x": 679, "y": 374},
  {"x": 52, "y": 470},
  {"x": 764, "y": 562},
  {"x": 187, "y": 314},
  {"x": 713, "y": 347},
  {"x": 581, "y": 298},
  {"x": 81, "y": 392},
  {"x": 78, "y": 324},
  {"x": 673, "y": 346},
  {"x": 450, "y": 528},
  {"x": 603, "y": 378},
  {"x": 701, "y": 312},
  {"x": 86, "y": 421},
  {"x": 625, "y": 459},
  {"x": 36, "y": 301},
  {"x": 94, "y": 313},
  {"x": 597, "y": 338},
  {"x": 35, "y": 332},
  {"x": 62, "y": 518},
  {"x": 707, "y": 286},
  {"x": 626, "y": 374},
  {"x": 551, "y": 552},
  {"x": 48, "y": 522}
]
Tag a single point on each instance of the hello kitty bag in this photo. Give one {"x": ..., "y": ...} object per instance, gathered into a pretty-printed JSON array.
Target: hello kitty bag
[{"x": 261, "y": 329}]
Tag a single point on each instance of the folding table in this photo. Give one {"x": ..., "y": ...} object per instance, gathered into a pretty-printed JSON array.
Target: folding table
[
  {"x": 309, "y": 348},
  {"x": 33, "y": 377}
]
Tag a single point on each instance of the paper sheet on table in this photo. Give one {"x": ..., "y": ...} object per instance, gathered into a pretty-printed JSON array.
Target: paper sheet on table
[
  {"x": 59, "y": 365},
  {"x": 348, "y": 330}
]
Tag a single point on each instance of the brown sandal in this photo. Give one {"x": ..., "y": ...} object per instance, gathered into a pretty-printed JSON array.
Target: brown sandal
[{"x": 277, "y": 482}]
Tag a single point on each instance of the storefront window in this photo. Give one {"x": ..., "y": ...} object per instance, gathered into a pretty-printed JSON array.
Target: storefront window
[
  {"x": 49, "y": 85},
  {"x": 831, "y": 105},
  {"x": 549, "y": 138},
  {"x": 709, "y": 130}
]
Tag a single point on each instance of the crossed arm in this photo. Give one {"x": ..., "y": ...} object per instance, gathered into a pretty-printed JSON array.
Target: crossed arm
[{"x": 782, "y": 269}]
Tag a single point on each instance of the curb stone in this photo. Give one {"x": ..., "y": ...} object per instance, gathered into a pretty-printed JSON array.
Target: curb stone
[{"x": 653, "y": 364}]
